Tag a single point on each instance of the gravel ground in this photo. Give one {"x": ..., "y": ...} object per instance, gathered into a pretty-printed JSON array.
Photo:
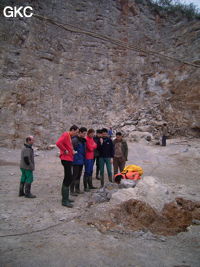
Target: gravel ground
[{"x": 40, "y": 231}]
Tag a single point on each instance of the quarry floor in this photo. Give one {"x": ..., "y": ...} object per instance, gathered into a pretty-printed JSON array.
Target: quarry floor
[{"x": 38, "y": 232}]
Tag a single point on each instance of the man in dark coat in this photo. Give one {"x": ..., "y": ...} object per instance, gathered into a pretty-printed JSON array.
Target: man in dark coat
[
  {"x": 27, "y": 166},
  {"x": 79, "y": 144},
  {"x": 120, "y": 153},
  {"x": 164, "y": 134},
  {"x": 96, "y": 152}
]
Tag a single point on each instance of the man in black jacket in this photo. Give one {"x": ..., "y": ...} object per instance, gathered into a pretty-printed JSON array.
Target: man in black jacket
[{"x": 106, "y": 153}]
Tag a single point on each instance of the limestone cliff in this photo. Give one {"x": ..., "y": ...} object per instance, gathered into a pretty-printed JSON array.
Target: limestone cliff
[{"x": 52, "y": 78}]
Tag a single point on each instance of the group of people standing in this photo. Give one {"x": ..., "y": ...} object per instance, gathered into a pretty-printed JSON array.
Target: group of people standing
[{"x": 81, "y": 148}]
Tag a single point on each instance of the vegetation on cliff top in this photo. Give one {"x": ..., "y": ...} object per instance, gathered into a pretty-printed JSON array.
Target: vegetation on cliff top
[{"x": 175, "y": 7}]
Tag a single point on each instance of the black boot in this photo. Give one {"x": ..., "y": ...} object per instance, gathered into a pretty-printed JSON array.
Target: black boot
[
  {"x": 72, "y": 185},
  {"x": 28, "y": 191},
  {"x": 85, "y": 183},
  {"x": 70, "y": 200},
  {"x": 102, "y": 181},
  {"x": 77, "y": 189},
  {"x": 21, "y": 190},
  {"x": 97, "y": 173},
  {"x": 65, "y": 196},
  {"x": 90, "y": 183},
  {"x": 75, "y": 194},
  {"x": 110, "y": 179}
]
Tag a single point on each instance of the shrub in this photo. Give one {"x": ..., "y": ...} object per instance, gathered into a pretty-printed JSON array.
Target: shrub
[{"x": 175, "y": 7}]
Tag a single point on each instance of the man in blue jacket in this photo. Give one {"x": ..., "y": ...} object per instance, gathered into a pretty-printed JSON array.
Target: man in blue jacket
[
  {"x": 106, "y": 153},
  {"x": 79, "y": 144}
]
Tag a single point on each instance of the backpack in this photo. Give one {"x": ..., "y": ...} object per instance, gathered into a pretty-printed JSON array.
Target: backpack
[{"x": 133, "y": 168}]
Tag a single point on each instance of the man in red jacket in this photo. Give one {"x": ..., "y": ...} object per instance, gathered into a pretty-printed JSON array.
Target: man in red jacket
[{"x": 67, "y": 152}]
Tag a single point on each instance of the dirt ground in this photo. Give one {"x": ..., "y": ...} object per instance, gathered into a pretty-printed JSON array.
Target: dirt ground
[{"x": 40, "y": 231}]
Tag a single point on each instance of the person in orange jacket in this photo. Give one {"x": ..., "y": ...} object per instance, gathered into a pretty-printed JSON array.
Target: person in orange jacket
[
  {"x": 89, "y": 160},
  {"x": 67, "y": 152},
  {"x": 129, "y": 175}
]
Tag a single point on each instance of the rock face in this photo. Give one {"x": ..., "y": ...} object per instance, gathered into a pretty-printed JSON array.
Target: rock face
[{"x": 52, "y": 78}]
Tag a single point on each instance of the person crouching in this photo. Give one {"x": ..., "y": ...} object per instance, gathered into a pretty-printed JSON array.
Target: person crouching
[{"x": 134, "y": 176}]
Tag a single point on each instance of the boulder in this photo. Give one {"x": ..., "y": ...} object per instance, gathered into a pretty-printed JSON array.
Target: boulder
[
  {"x": 148, "y": 189},
  {"x": 137, "y": 136}
]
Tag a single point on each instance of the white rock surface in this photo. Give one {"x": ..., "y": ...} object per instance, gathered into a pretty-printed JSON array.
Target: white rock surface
[{"x": 148, "y": 189}]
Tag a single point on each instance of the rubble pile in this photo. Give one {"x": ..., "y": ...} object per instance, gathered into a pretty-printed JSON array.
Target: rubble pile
[
  {"x": 137, "y": 215},
  {"x": 150, "y": 206}
]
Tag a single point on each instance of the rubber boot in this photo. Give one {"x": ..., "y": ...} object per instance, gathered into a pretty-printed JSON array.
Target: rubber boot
[
  {"x": 72, "y": 185},
  {"x": 97, "y": 173},
  {"x": 102, "y": 181},
  {"x": 65, "y": 196},
  {"x": 70, "y": 200},
  {"x": 90, "y": 183},
  {"x": 110, "y": 179},
  {"x": 28, "y": 191},
  {"x": 85, "y": 183},
  {"x": 21, "y": 190},
  {"x": 75, "y": 194},
  {"x": 77, "y": 189}
]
